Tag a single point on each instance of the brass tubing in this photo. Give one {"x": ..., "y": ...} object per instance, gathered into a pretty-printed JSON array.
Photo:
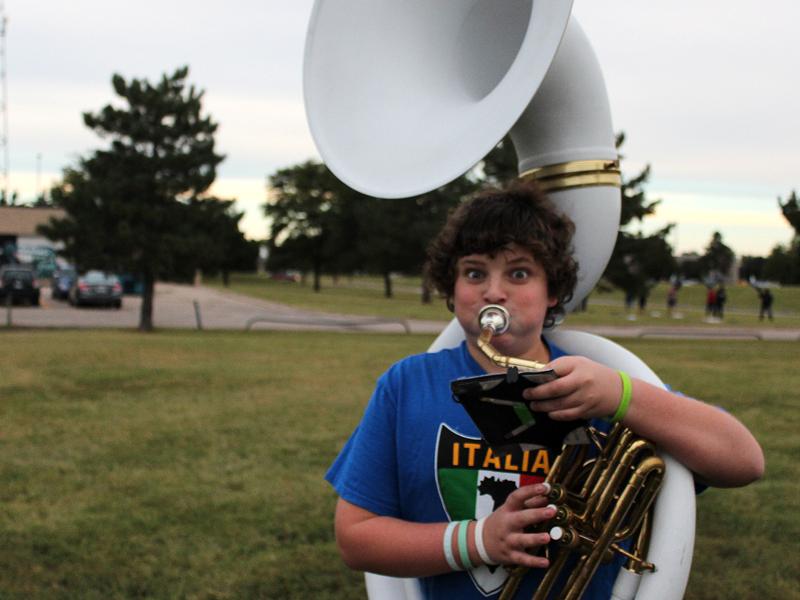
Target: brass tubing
[
  {"x": 614, "y": 445},
  {"x": 551, "y": 575},
  {"x": 501, "y": 360},
  {"x": 616, "y": 473},
  {"x": 601, "y": 501},
  {"x": 512, "y": 584},
  {"x": 636, "y": 563},
  {"x": 645, "y": 498},
  {"x": 581, "y": 576}
]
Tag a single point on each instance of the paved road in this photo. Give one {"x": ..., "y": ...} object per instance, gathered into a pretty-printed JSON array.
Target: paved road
[{"x": 184, "y": 306}]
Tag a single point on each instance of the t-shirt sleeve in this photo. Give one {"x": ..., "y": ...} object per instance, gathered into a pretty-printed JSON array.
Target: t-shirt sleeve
[{"x": 365, "y": 472}]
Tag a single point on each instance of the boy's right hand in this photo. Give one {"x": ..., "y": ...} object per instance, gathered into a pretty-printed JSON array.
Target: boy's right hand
[{"x": 504, "y": 531}]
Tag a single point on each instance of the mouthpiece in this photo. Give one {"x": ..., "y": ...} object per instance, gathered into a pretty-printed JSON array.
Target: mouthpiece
[{"x": 495, "y": 318}]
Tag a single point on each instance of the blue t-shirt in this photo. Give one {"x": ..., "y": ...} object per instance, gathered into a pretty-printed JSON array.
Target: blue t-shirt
[{"x": 417, "y": 456}]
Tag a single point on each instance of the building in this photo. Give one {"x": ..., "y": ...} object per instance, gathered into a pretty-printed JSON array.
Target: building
[{"x": 18, "y": 226}]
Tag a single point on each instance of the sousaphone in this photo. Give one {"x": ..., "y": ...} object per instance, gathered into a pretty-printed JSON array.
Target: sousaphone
[{"x": 402, "y": 97}]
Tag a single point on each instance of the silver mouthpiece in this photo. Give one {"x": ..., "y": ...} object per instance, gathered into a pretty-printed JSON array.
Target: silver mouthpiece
[{"x": 494, "y": 317}]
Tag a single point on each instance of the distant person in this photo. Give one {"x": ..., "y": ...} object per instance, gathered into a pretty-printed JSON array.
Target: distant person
[
  {"x": 629, "y": 298},
  {"x": 766, "y": 303},
  {"x": 644, "y": 293},
  {"x": 672, "y": 299},
  {"x": 711, "y": 302},
  {"x": 721, "y": 298}
]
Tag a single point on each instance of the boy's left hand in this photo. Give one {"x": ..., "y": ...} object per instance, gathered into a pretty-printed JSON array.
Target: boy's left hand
[{"x": 584, "y": 390}]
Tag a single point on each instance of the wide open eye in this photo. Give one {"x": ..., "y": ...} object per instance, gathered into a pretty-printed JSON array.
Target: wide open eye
[
  {"x": 473, "y": 274},
  {"x": 520, "y": 274}
]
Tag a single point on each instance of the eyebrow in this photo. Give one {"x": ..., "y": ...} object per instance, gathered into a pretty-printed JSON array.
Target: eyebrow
[
  {"x": 471, "y": 261},
  {"x": 479, "y": 260},
  {"x": 522, "y": 259}
]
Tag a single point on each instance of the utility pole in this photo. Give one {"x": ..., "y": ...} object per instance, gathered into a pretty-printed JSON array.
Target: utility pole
[{"x": 4, "y": 100}]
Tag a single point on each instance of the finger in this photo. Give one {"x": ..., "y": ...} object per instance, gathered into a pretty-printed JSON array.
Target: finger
[
  {"x": 564, "y": 365},
  {"x": 528, "y": 560},
  {"x": 554, "y": 389},
  {"x": 531, "y": 542},
  {"x": 537, "y": 502},
  {"x": 533, "y": 516},
  {"x": 553, "y": 404},
  {"x": 526, "y": 542},
  {"x": 569, "y": 414},
  {"x": 516, "y": 499}
]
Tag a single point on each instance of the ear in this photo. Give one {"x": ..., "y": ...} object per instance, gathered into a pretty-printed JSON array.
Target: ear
[{"x": 552, "y": 301}]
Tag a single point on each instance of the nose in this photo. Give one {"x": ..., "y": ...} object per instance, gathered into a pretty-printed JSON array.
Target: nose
[{"x": 495, "y": 290}]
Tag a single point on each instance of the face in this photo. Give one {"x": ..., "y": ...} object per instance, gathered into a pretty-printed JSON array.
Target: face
[{"x": 513, "y": 279}]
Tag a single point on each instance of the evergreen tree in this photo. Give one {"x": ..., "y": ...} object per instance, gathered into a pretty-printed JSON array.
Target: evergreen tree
[
  {"x": 791, "y": 211},
  {"x": 638, "y": 261},
  {"x": 718, "y": 259},
  {"x": 130, "y": 207},
  {"x": 500, "y": 166},
  {"x": 783, "y": 263}
]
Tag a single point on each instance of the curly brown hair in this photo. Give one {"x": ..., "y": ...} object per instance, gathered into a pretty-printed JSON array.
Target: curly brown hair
[{"x": 492, "y": 220}]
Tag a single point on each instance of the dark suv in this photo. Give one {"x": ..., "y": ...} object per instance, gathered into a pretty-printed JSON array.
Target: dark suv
[{"x": 18, "y": 284}]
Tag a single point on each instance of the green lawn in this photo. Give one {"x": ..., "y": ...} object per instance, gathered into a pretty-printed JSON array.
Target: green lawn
[
  {"x": 189, "y": 464},
  {"x": 364, "y": 296}
]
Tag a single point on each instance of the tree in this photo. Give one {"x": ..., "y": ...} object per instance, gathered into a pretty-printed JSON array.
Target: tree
[
  {"x": 394, "y": 234},
  {"x": 311, "y": 220},
  {"x": 718, "y": 258},
  {"x": 783, "y": 263},
  {"x": 221, "y": 246},
  {"x": 638, "y": 261},
  {"x": 129, "y": 207},
  {"x": 752, "y": 267},
  {"x": 791, "y": 211},
  {"x": 320, "y": 224},
  {"x": 500, "y": 166}
]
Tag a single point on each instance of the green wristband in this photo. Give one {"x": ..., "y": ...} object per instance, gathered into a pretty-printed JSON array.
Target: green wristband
[
  {"x": 463, "y": 550},
  {"x": 625, "y": 400}
]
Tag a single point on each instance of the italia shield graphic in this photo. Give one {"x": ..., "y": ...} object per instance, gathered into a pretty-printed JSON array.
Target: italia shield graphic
[{"x": 473, "y": 480}]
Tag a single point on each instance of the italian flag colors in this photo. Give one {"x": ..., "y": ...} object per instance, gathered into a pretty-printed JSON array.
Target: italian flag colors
[{"x": 474, "y": 479}]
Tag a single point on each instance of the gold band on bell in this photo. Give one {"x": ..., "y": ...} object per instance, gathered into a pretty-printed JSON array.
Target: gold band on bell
[{"x": 577, "y": 173}]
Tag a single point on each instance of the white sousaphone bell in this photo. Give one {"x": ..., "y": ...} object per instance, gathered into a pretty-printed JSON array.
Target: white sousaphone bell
[{"x": 403, "y": 97}]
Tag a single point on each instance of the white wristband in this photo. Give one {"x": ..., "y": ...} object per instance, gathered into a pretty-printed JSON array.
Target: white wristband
[
  {"x": 479, "y": 542},
  {"x": 447, "y": 541}
]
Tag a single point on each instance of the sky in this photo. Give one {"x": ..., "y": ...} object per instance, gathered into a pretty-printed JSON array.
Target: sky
[{"x": 706, "y": 93}]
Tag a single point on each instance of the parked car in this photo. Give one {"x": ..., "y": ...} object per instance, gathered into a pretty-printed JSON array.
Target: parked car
[
  {"x": 17, "y": 283},
  {"x": 285, "y": 276},
  {"x": 62, "y": 282},
  {"x": 96, "y": 288}
]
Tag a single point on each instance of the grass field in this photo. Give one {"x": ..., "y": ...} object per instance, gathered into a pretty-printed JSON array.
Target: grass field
[
  {"x": 189, "y": 464},
  {"x": 364, "y": 296}
]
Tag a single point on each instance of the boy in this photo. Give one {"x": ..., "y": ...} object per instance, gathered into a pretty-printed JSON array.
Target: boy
[{"x": 416, "y": 452}]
